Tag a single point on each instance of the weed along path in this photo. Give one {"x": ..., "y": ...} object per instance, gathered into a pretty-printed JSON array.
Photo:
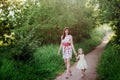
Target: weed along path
[{"x": 92, "y": 59}]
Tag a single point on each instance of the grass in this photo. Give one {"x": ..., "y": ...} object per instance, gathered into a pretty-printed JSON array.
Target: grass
[
  {"x": 109, "y": 66},
  {"x": 45, "y": 65},
  {"x": 48, "y": 62}
]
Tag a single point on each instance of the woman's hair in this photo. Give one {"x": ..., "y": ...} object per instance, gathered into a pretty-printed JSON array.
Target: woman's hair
[{"x": 64, "y": 32}]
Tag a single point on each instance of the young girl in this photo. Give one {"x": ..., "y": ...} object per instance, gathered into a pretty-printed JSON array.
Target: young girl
[{"x": 82, "y": 65}]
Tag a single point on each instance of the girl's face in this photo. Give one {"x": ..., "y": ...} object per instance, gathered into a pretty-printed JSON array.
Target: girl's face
[
  {"x": 66, "y": 31},
  {"x": 80, "y": 51}
]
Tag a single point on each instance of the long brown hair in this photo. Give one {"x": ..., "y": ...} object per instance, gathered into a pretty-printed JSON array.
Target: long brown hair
[{"x": 64, "y": 32}]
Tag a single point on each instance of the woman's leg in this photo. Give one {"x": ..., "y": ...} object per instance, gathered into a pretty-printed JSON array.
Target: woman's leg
[
  {"x": 65, "y": 61},
  {"x": 68, "y": 66}
]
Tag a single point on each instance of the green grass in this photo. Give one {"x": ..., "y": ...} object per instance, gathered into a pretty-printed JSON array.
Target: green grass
[
  {"x": 109, "y": 66},
  {"x": 45, "y": 63}
]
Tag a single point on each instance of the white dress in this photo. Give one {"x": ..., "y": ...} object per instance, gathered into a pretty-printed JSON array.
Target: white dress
[
  {"x": 66, "y": 47},
  {"x": 82, "y": 62}
]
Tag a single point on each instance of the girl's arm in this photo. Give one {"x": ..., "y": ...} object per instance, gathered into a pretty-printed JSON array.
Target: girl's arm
[
  {"x": 73, "y": 46},
  {"x": 78, "y": 57},
  {"x": 60, "y": 46}
]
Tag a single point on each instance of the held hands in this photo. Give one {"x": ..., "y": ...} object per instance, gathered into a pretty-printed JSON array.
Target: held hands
[{"x": 76, "y": 56}]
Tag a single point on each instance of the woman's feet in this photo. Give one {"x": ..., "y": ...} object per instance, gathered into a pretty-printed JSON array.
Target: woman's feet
[{"x": 68, "y": 75}]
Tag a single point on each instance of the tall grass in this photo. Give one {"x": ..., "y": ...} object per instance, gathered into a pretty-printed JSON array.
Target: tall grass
[
  {"x": 45, "y": 64},
  {"x": 109, "y": 66}
]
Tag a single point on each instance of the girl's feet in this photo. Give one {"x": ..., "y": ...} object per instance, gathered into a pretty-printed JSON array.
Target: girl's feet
[{"x": 83, "y": 75}]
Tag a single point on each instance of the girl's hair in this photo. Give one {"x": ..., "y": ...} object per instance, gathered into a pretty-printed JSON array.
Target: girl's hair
[
  {"x": 64, "y": 32},
  {"x": 79, "y": 49}
]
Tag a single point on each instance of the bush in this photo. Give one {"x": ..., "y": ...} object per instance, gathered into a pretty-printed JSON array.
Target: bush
[{"x": 109, "y": 66}]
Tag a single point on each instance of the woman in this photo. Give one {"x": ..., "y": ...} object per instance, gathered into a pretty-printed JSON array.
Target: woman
[{"x": 67, "y": 47}]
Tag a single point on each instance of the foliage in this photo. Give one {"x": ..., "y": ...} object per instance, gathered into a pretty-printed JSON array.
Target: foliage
[
  {"x": 109, "y": 66},
  {"x": 51, "y": 16},
  {"x": 37, "y": 27},
  {"x": 43, "y": 24},
  {"x": 11, "y": 17},
  {"x": 109, "y": 12},
  {"x": 45, "y": 63}
]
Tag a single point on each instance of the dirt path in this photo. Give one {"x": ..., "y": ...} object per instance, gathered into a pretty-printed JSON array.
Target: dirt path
[{"x": 92, "y": 59}]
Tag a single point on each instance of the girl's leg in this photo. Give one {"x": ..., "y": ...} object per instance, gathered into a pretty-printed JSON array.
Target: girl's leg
[{"x": 82, "y": 71}]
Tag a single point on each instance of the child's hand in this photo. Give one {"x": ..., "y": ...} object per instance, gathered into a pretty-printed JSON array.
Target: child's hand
[{"x": 76, "y": 58}]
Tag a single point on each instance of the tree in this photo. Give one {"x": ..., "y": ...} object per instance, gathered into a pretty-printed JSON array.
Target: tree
[
  {"x": 11, "y": 17},
  {"x": 109, "y": 12}
]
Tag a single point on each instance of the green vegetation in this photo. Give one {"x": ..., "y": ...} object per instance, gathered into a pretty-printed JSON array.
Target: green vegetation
[
  {"x": 109, "y": 66},
  {"x": 108, "y": 11},
  {"x": 30, "y": 33},
  {"x": 44, "y": 65}
]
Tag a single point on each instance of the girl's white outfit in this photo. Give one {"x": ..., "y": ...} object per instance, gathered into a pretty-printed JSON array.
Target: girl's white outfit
[{"x": 82, "y": 62}]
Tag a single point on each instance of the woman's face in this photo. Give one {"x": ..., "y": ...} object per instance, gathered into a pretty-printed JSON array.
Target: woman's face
[{"x": 66, "y": 31}]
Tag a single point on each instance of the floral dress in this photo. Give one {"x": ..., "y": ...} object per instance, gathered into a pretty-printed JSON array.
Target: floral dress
[{"x": 66, "y": 47}]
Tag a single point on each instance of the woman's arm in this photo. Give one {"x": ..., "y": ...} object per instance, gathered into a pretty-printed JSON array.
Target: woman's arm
[
  {"x": 60, "y": 46},
  {"x": 73, "y": 46}
]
